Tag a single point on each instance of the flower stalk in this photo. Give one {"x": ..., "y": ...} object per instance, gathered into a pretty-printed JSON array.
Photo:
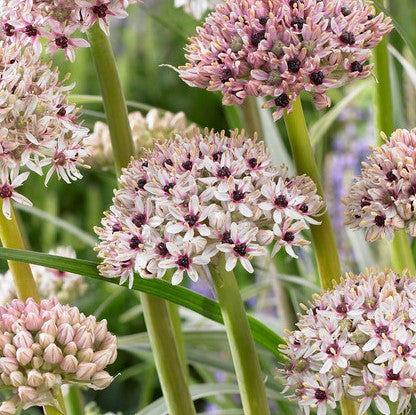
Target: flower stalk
[
  {"x": 322, "y": 235},
  {"x": 243, "y": 352},
  {"x": 401, "y": 252},
  {"x": 158, "y": 320}
]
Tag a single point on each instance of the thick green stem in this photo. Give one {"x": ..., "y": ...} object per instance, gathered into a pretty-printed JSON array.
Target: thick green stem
[
  {"x": 113, "y": 97},
  {"x": 401, "y": 252},
  {"x": 322, "y": 235},
  {"x": 157, "y": 317},
  {"x": 251, "y": 118},
  {"x": 246, "y": 363},
  {"x": 11, "y": 237},
  {"x": 168, "y": 361},
  {"x": 177, "y": 329},
  {"x": 73, "y": 401}
]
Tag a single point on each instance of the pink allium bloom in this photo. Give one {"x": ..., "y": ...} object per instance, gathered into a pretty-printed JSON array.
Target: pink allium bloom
[
  {"x": 382, "y": 198},
  {"x": 280, "y": 48},
  {"x": 46, "y": 345},
  {"x": 58, "y": 21},
  {"x": 356, "y": 341},
  {"x": 38, "y": 128},
  {"x": 196, "y": 195}
]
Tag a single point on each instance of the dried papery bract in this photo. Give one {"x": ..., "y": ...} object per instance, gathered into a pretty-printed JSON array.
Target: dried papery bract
[
  {"x": 39, "y": 128},
  {"x": 44, "y": 346},
  {"x": 382, "y": 198},
  {"x": 356, "y": 341},
  {"x": 197, "y": 195},
  {"x": 145, "y": 132},
  {"x": 65, "y": 286},
  {"x": 280, "y": 48},
  {"x": 57, "y": 21}
]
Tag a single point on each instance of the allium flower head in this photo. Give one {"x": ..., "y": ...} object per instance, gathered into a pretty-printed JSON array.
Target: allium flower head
[
  {"x": 145, "y": 130},
  {"x": 65, "y": 286},
  {"x": 46, "y": 345},
  {"x": 356, "y": 341},
  {"x": 56, "y": 21},
  {"x": 279, "y": 48},
  {"x": 38, "y": 128},
  {"x": 382, "y": 198},
  {"x": 197, "y": 195}
]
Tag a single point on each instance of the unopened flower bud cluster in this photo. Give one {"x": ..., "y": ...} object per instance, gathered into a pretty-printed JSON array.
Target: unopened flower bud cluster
[
  {"x": 356, "y": 341},
  {"x": 382, "y": 198},
  {"x": 145, "y": 131},
  {"x": 38, "y": 127},
  {"x": 46, "y": 345},
  {"x": 57, "y": 22},
  {"x": 198, "y": 195},
  {"x": 279, "y": 48},
  {"x": 65, "y": 286}
]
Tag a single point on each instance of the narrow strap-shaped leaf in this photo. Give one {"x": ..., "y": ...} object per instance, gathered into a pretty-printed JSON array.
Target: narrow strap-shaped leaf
[{"x": 176, "y": 294}]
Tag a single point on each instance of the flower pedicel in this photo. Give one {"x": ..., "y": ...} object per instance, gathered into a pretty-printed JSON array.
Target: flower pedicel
[
  {"x": 197, "y": 195},
  {"x": 280, "y": 48},
  {"x": 46, "y": 345}
]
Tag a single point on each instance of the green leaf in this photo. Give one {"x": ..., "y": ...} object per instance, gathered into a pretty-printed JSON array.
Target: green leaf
[{"x": 176, "y": 294}]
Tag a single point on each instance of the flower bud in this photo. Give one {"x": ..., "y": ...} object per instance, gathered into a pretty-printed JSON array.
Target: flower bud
[
  {"x": 101, "y": 379},
  {"x": 53, "y": 354},
  {"x": 83, "y": 338},
  {"x": 100, "y": 331},
  {"x": 34, "y": 378},
  {"x": 8, "y": 364},
  {"x": 17, "y": 378},
  {"x": 65, "y": 333},
  {"x": 23, "y": 339},
  {"x": 86, "y": 370},
  {"x": 7, "y": 408},
  {"x": 27, "y": 394},
  {"x": 45, "y": 339},
  {"x": 102, "y": 358},
  {"x": 49, "y": 327},
  {"x": 33, "y": 322},
  {"x": 85, "y": 355},
  {"x": 70, "y": 348},
  {"x": 69, "y": 364},
  {"x": 9, "y": 350}
]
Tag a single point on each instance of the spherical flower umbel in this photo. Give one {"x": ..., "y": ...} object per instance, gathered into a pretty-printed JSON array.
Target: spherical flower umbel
[
  {"x": 197, "y": 195},
  {"x": 56, "y": 21},
  {"x": 356, "y": 341},
  {"x": 280, "y": 48},
  {"x": 38, "y": 127},
  {"x": 382, "y": 198},
  {"x": 46, "y": 345},
  {"x": 145, "y": 131},
  {"x": 65, "y": 286}
]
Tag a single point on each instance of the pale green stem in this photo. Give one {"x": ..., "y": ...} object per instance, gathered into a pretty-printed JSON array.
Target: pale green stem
[
  {"x": 323, "y": 237},
  {"x": 349, "y": 407},
  {"x": 73, "y": 401},
  {"x": 401, "y": 252},
  {"x": 251, "y": 118},
  {"x": 393, "y": 408},
  {"x": 246, "y": 363},
  {"x": 166, "y": 355},
  {"x": 113, "y": 97},
  {"x": 157, "y": 317}
]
